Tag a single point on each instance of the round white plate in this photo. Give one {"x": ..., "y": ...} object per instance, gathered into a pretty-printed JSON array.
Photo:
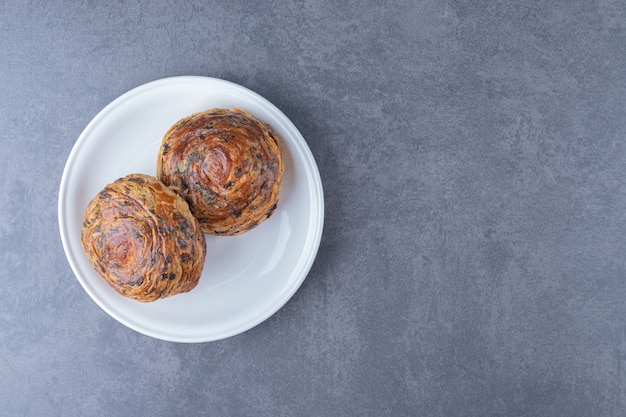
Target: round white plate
[{"x": 246, "y": 278}]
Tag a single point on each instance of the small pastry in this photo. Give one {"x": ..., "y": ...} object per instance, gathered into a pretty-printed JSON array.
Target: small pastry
[
  {"x": 227, "y": 165},
  {"x": 142, "y": 239}
]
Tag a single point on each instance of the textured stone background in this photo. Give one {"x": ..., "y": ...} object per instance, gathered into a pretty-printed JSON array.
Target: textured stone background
[{"x": 473, "y": 157}]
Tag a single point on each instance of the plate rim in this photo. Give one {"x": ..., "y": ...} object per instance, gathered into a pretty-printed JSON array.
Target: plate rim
[{"x": 316, "y": 218}]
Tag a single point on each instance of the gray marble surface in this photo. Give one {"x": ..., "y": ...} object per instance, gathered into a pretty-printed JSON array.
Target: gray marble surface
[{"x": 473, "y": 156}]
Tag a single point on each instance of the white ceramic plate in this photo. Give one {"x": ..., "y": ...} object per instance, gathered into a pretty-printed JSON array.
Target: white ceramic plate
[{"x": 246, "y": 278}]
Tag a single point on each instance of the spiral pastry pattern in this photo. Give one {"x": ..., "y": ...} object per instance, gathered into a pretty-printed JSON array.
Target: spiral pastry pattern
[
  {"x": 227, "y": 164},
  {"x": 142, "y": 238}
]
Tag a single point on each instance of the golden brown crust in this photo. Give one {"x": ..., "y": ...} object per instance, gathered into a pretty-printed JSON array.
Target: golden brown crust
[
  {"x": 142, "y": 238},
  {"x": 227, "y": 164}
]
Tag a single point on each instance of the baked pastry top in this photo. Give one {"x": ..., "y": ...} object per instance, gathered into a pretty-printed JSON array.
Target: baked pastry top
[
  {"x": 142, "y": 238},
  {"x": 227, "y": 164}
]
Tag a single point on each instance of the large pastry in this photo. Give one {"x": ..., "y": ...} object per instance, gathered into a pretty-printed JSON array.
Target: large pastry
[
  {"x": 142, "y": 238},
  {"x": 228, "y": 166}
]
